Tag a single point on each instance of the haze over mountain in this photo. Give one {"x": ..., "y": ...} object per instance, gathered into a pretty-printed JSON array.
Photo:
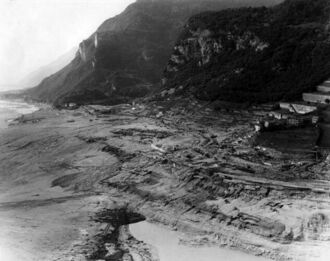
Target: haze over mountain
[
  {"x": 127, "y": 54},
  {"x": 34, "y": 33},
  {"x": 37, "y": 76},
  {"x": 195, "y": 136}
]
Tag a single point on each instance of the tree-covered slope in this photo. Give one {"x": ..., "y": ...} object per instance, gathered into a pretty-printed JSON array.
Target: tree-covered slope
[
  {"x": 253, "y": 54},
  {"x": 126, "y": 56}
]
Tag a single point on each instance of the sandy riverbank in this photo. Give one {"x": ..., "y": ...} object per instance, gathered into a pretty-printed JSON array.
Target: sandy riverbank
[{"x": 191, "y": 169}]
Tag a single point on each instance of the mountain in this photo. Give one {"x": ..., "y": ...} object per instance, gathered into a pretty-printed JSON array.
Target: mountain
[
  {"x": 253, "y": 54},
  {"x": 35, "y": 78},
  {"x": 126, "y": 56}
]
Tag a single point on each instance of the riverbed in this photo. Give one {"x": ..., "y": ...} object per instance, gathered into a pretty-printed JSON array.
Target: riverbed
[{"x": 168, "y": 247}]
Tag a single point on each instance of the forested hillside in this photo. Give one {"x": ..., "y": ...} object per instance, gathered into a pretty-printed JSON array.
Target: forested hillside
[
  {"x": 126, "y": 56},
  {"x": 253, "y": 54}
]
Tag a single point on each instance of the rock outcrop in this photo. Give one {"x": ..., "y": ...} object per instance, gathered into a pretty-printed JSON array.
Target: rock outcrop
[
  {"x": 253, "y": 54},
  {"x": 126, "y": 56}
]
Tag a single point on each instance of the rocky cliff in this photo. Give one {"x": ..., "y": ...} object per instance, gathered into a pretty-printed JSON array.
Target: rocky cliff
[
  {"x": 253, "y": 54},
  {"x": 127, "y": 54}
]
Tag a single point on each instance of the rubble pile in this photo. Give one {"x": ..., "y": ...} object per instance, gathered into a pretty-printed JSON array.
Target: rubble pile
[
  {"x": 207, "y": 164},
  {"x": 196, "y": 169}
]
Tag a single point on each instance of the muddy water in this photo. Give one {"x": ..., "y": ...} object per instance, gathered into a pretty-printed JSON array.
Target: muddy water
[
  {"x": 167, "y": 244},
  {"x": 10, "y": 109}
]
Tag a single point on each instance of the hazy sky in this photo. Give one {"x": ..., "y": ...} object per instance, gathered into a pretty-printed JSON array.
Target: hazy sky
[{"x": 36, "y": 32}]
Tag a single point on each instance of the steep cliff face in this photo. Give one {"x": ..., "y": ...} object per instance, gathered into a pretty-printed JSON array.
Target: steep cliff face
[
  {"x": 127, "y": 54},
  {"x": 253, "y": 54}
]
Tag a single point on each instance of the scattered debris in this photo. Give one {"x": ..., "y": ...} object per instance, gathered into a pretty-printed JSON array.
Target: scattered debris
[
  {"x": 119, "y": 153},
  {"x": 92, "y": 139},
  {"x": 155, "y": 147}
]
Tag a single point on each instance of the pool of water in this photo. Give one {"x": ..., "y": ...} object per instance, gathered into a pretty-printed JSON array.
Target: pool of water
[{"x": 167, "y": 245}]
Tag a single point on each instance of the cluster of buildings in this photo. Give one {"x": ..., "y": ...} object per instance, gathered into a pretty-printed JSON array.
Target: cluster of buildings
[
  {"x": 321, "y": 96},
  {"x": 297, "y": 114}
]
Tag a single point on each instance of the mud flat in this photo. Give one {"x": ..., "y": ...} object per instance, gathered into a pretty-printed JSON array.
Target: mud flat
[{"x": 189, "y": 168}]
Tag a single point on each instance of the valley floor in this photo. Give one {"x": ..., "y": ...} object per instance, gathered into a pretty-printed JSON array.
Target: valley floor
[{"x": 72, "y": 182}]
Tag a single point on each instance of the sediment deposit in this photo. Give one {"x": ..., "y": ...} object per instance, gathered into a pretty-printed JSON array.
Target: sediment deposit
[{"x": 179, "y": 164}]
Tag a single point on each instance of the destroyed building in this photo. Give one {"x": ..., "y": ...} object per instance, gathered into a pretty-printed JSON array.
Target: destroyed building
[{"x": 322, "y": 95}]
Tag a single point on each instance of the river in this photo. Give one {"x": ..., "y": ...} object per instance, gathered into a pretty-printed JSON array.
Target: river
[
  {"x": 11, "y": 109},
  {"x": 167, "y": 244}
]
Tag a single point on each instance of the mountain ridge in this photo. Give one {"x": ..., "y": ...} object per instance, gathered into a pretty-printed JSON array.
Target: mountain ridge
[
  {"x": 34, "y": 78},
  {"x": 253, "y": 54},
  {"x": 126, "y": 56}
]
